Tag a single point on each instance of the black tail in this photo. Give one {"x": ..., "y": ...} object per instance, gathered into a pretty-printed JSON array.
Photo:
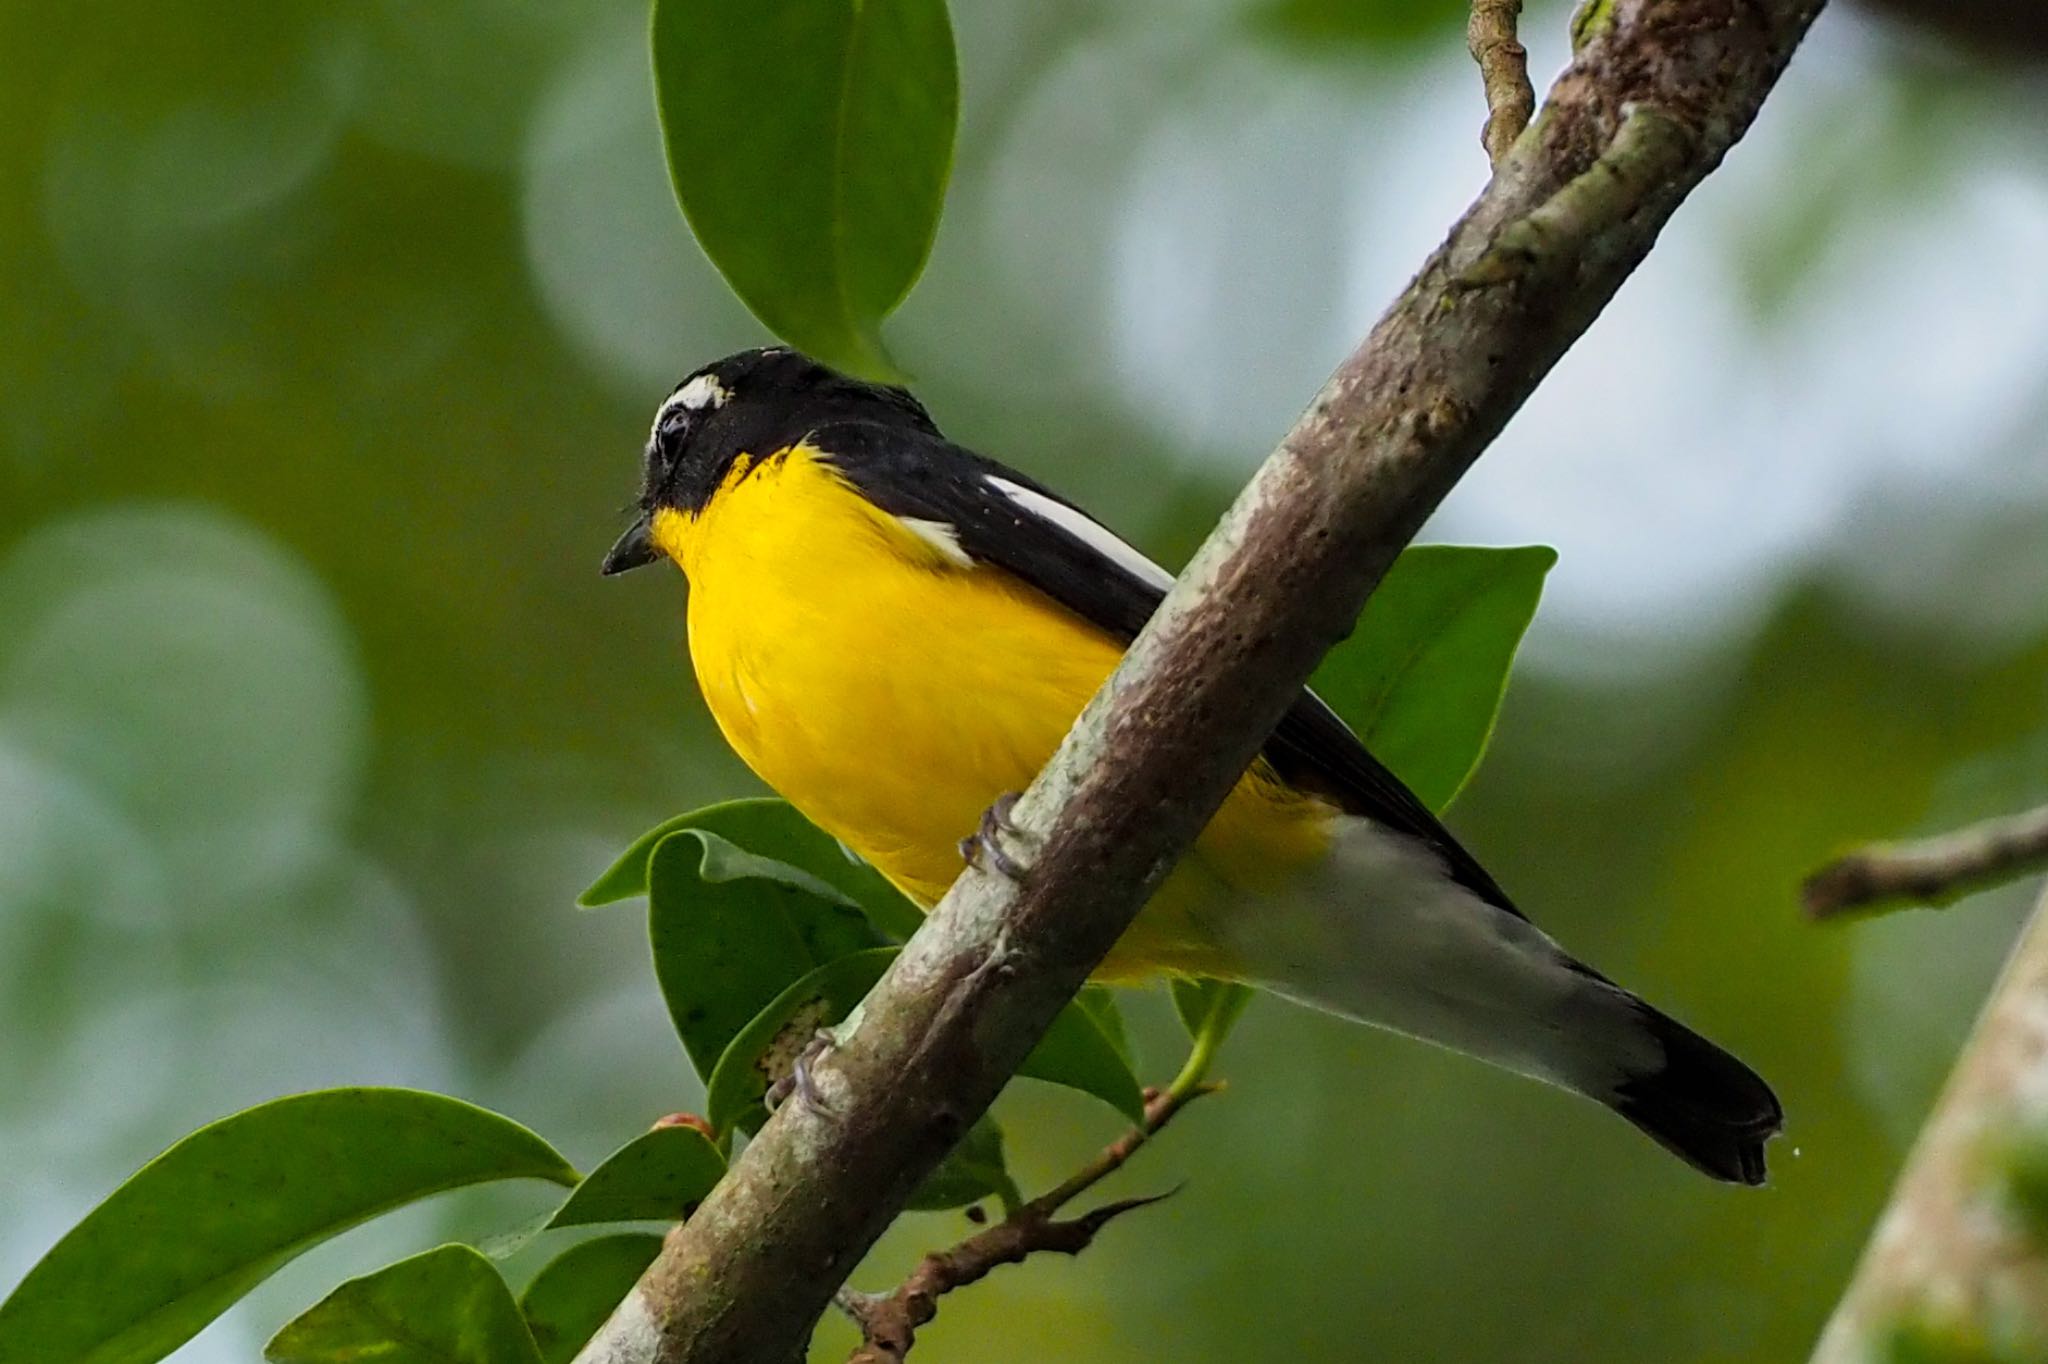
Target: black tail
[{"x": 1703, "y": 1106}]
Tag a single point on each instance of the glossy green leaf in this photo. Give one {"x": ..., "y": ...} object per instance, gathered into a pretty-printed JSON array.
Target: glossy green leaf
[
  {"x": 1100, "y": 1003},
  {"x": 973, "y": 1170},
  {"x": 659, "y": 1176},
  {"x": 574, "y": 1292},
  {"x": 809, "y": 142},
  {"x": 764, "y": 1050},
  {"x": 771, "y": 828},
  {"x": 448, "y": 1306},
  {"x": 1421, "y": 676},
  {"x": 1077, "y": 1053},
  {"x": 731, "y": 930},
  {"x": 207, "y": 1220},
  {"x": 1209, "y": 1008}
]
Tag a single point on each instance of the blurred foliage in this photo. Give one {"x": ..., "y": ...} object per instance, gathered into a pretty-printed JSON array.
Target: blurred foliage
[
  {"x": 2023, "y": 1161},
  {"x": 1931, "y": 1341},
  {"x": 1319, "y": 25},
  {"x": 2004, "y": 30},
  {"x": 329, "y": 338}
]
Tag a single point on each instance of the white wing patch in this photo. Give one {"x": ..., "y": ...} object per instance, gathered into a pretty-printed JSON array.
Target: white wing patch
[
  {"x": 1087, "y": 530},
  {"x": 941, "y": 537}
]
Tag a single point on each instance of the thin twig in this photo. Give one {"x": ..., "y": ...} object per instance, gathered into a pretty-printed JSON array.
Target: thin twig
[
  {"x": 1931, "y": 870},
  {"x": 1504, "y": 67},
  {"x": 889, "y": 1321}
]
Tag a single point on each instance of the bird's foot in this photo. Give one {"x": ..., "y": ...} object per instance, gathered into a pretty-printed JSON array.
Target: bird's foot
[
  {"x": 800, "y": 1081},
  {"x": 984, "y": 847}
]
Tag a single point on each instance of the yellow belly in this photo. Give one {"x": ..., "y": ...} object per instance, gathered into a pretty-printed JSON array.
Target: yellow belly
[{"x": 892, "y": 695}]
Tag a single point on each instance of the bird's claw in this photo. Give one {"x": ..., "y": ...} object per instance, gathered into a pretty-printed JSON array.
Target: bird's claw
[
  {"x": 800, "y": 1081},
  {"x": 984, "y": 847}
]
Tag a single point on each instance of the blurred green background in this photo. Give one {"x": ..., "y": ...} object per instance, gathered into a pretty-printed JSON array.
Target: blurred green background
[{"x": 329, "y": 333}]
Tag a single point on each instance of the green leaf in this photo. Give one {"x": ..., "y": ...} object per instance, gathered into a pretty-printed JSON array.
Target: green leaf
[
  {"x": 210, "y": 1218},
  {"x": 574, "y": 1293},
  {"x": 1209, "y": 1008},
  {"x": 447, "y": 1306},
  {"x": 973, "y": 1170},
  {"x": 1100, "y": 1002},
  {"x": 764, "y": 1050},
  {"x": 1421, "y": 677},
  {"x": 770, "y": 828},
  {"x": 1077, "y": 1053},
  {"x": 659, "y": 1176},
  {"x": 731, "y": 930},
  {"x": 809, "y": 142}
]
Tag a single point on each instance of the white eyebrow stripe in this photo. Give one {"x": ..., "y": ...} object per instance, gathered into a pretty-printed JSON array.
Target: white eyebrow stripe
[
  {"x": 941, "y": 537},
  {"x": 1086, "y": 529},
  {"x": 700, "y": 393}
]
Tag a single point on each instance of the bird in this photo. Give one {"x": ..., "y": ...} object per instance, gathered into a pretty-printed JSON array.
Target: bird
[{"x": 895, "y": 632}]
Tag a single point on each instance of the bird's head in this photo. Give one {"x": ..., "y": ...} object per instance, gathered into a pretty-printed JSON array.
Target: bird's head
[{"x": 753, "y": 403}]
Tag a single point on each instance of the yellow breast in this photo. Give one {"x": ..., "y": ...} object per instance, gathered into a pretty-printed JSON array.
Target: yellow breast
[{"x": 891, "y": 693}]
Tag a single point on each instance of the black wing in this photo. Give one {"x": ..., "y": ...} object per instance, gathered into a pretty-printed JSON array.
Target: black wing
[{"x": 1073, "y": 559}]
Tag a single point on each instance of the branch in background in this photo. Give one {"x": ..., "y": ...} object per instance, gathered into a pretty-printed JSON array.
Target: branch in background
[
  {"x": 1945, "y": 1252},
  {"x": 1504, "y": 67},
  {"x": 889, "y": 1321},
  {"x": 1151, "y": 758},
  {"x": 2009, "y": 31},
  {"x": 1931, "y": 870}
]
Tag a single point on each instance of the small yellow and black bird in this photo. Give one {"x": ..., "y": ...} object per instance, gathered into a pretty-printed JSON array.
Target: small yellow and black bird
[{"x": 894, "y": 632}]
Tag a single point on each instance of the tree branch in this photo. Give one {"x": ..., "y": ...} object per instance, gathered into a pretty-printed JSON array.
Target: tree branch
[
  {"x": 1932, "y": 870},
  {"x": 889, "y": 1321},
  {"x": 1283, "y": 576},
  {"x": 1945, "y": 1252},
  {"x": 1504, "y": 69}
]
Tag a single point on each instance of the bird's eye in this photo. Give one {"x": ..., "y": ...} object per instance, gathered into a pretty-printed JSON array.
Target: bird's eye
[
  {"x": 675, "y": 423},
  {"x": 665, "y": 444}
]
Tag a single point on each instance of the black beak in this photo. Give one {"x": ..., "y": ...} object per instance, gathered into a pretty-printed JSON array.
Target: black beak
[{"x": 635, "y": 549}]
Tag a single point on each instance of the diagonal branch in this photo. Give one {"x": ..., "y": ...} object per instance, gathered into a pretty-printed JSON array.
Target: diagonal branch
[
  {"x": 1504, "y": 69},
  {"x": 1153, "y": 755},
  {"x": 889, "y": 1321},
  {"x": 1931, "y": 870}
]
